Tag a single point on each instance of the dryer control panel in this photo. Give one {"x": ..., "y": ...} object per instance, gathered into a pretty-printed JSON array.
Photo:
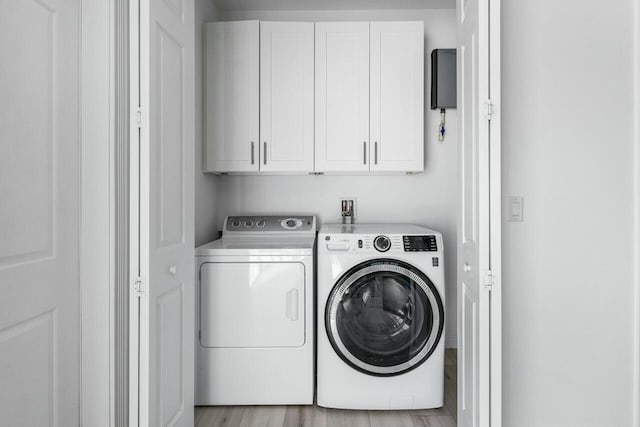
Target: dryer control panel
[{"x": 269, "y": 224}]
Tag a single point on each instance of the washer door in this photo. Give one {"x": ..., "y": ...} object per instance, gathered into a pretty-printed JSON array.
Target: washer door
[{"x": 384, "y": 317}]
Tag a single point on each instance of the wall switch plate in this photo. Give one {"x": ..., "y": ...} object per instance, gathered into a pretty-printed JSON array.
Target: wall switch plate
[{"x": 515, "y": 209}]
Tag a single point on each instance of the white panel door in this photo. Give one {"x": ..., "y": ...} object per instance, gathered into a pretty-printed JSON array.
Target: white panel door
[
  {"x": 39, "y": 213},
  {"x": 286, "y": 96},
  {"x": 479, "y": 360},
  {"x": 164, "y": 258},
  {"x": 342, "y": 97},
  {"x": 252, "y": 304},
  {"x": 232, "y": 96},
  {"x": 397, "y": 96}
]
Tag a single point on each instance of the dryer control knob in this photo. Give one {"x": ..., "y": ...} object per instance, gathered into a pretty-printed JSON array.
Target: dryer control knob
[
  {"x": 291, "y": 223},
  {"x": 248, "y": 224}
]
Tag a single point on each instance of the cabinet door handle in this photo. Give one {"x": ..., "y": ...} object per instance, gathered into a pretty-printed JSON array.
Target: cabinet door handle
[
  {"x": 264, "y": 152},
  {"x": 375, "y": 152},
  {"x": 364, "y": 152},
  {"x": 253, "y": 158}
]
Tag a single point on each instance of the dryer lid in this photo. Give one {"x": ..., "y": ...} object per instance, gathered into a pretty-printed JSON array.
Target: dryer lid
[{"x": 262, "y": 246}]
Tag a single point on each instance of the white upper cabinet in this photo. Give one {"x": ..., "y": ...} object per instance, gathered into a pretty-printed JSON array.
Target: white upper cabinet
[
  {"x": 286, "y": 96},
  {"x": 397, "y": 96},
  {"x": 298, "y": 97},
  {"x": 232, "y": 96},
  {"x": 342, "y": 97}
]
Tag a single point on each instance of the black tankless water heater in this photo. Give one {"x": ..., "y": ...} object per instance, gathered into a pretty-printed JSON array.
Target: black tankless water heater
[{"x": 443, "y": 78}]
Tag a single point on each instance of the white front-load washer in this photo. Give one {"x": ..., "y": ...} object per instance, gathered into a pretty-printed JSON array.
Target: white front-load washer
[
  {"x": 380, "y": 317},
  {"x": 254, "y": 313}
]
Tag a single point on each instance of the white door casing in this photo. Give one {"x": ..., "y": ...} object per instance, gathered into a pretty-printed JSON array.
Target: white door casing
[
  {"x": 479, "y": 309},
  {"x": 342, "y": 97},
  {"x": 492, "y": 112},
  {"x": 232, "y": 70},
  {"x": 163, "y": 256},
  {"x": 286, "y": 96},
  {"x": 39, "y": 213},
  {"x": 397, "y": 96}
]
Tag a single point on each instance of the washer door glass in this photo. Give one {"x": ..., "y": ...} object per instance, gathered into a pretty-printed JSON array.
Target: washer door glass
[{"x": 384, "y": 317}]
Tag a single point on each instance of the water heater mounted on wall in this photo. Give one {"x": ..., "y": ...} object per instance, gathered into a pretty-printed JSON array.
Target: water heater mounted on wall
[{"x": 443, "y": 84}]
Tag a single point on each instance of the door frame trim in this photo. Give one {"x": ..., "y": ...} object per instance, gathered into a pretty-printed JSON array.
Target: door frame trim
[
  {"x": 135, "y": 134},
  {"x": 636, "y": 214},
  {"x": 97, "y": 219},
  {"x": 121, "y": 212},
  {"x": 495, "y": 219}
]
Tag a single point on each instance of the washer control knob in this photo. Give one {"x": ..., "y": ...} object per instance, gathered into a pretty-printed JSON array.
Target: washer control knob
[
  {"x": 235, "y": 223},
  {"x": 291, "y": 223},
  {"x": 248, "y": 223},
  {"x": 382, "y": 243},
  {"x": 261, "y": 223}
]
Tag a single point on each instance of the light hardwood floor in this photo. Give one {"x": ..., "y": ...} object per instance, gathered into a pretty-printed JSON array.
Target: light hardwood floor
[{"x": 314, "y": 416}]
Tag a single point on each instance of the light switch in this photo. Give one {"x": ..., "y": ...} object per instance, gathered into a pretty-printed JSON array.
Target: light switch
[{"x": 515, "y": 209}]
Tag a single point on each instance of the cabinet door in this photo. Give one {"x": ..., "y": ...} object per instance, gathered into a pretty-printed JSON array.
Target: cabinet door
[
  {"x": 342, "y": 96},
  {"x": 397, "y": 96},
  {"x": 286, "y": 96},
  {"x": 232, "y": 96}
]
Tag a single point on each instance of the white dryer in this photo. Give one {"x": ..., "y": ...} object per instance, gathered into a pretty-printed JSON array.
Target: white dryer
[
  {"x": 255, "y": 342},
  {"x": 380, "y": 317}
]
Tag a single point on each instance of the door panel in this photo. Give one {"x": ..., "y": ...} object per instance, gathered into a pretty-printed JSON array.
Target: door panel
[
  {"x": 468, "y": 359},
  {"x": 170, "y": 153},
  {"x": 232, "y": 96},
  {"x": 257, "y": 304},
  {"x": 342, "y": 96},
  {"x": 39, "y": 217},
  {"x": 286, "y": 96},
  {"x": 397, "y": 96},
  {"x": 468, "y": 57},
  {"x": 470, "y": 279},
  {"x": 163, "y": 256},
  {"x": 477, "y": 249},
  {"x": 170, "y": 344}
]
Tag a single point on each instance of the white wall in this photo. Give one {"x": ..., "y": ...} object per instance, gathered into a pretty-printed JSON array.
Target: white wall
[
  {"x": 206, "y": 185},
  {"x": 429, "y": 199},
  {"x": 568, "y": 148}
]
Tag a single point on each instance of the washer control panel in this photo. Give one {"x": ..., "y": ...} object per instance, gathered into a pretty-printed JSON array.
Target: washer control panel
[
  {"x": 269, "y": 223},
  {"x": 420, "y": 243}
]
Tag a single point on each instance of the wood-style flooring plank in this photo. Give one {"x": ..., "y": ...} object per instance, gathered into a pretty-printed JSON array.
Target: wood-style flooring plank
[
  {"x": 436, "y": 421},
  {"x": 430, "y": 412},
  {"x": 346, "y": 418},
  {"x": 305, "y": 416},
  {"x": 390, "y": 418},
  {"x": 219, "y": 416},
  {"x": 264, "y": 416}
]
